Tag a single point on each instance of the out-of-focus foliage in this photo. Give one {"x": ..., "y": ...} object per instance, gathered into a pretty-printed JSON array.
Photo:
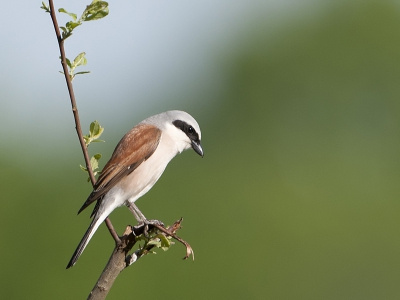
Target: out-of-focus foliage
[{"x": 295, "y": 198}]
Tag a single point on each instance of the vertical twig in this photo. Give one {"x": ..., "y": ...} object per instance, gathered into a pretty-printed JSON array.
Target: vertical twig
[
  {"x": 75, "y": 112},
  {"x": 71, "y": 93}
]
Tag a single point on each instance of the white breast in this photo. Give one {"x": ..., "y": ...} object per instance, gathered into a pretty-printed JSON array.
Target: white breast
[{"x": 140, "y": 181}]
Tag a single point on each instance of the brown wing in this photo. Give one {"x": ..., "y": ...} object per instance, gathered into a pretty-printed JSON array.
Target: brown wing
[{"x": 133, "y": 149}]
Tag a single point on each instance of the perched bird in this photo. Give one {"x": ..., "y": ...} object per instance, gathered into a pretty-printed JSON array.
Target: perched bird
[{"x": 137, "y": 163}]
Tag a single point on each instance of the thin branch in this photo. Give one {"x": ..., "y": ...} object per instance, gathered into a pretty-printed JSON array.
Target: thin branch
[
  {"x": 75, "y": 111},
  {"x": 71, "y": 93},
  {"x": 112, "y": 231}
]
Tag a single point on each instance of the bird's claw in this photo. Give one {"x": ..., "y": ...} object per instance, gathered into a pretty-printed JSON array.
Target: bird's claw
[{"x": 145, "y": 225}]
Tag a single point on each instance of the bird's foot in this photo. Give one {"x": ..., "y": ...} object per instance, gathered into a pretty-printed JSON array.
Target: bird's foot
[
  {"x": 146, "y": 225},
  {"x": 154, "y": 222}
]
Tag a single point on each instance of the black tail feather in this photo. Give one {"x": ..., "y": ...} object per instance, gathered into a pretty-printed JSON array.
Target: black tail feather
[{"x": 82, "y": 245}]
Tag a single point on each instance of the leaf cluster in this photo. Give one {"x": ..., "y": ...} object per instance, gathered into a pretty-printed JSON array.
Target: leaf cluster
[
  {"x": 80, "y": 60},
  {"x": 95, "y": 131},
  {"x": 154, "y": 239},
  {"x": 45, "y": 7},
  {"x": 94, "y": 11}
]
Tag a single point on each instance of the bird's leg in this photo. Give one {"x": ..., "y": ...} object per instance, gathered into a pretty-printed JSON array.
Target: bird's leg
[{"x": 139, "y": 216}]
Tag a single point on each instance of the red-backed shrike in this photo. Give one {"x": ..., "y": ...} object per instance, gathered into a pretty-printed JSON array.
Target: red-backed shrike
[{"x": 136, "y": 164}]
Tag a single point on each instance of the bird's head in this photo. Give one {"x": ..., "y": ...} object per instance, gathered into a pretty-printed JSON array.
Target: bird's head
[{"x": 182, "y": 128}]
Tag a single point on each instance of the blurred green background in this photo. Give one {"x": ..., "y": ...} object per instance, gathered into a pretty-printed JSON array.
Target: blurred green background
[{"x": 296, "y": 197}]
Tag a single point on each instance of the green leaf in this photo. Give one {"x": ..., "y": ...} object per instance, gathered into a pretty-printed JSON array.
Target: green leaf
[
  {"x": 69, "y": 26},
  {"x": 96, "y": 130},
  {"x": 68, "y": 62},
  {"x": 45, "y": 7},
  {"x": 95, "y": 11},
  {"x": 86, "y": 138},
  {"x": 165, "y": 243},
  {"x": 62, "y": 10},
  {"x": 66, "y": 34},
  {"x": 83, "y": 72},
  {"x": 72, "y": 25},
  {"x": 94, "y": 163},
  {"x": 85, "y": 170},
  {"x": 155, "y": 242},
  {"x": 80, "y": 60}
]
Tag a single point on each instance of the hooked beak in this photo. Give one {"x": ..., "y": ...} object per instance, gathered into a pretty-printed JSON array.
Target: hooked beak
[{"x": 197, "y": 148}]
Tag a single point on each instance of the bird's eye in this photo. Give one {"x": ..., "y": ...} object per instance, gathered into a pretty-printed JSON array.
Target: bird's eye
[{"x": 190, "y": 129}]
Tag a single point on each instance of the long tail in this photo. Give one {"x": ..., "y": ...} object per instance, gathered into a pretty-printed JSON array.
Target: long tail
[{"x": 97, "y": 220}]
